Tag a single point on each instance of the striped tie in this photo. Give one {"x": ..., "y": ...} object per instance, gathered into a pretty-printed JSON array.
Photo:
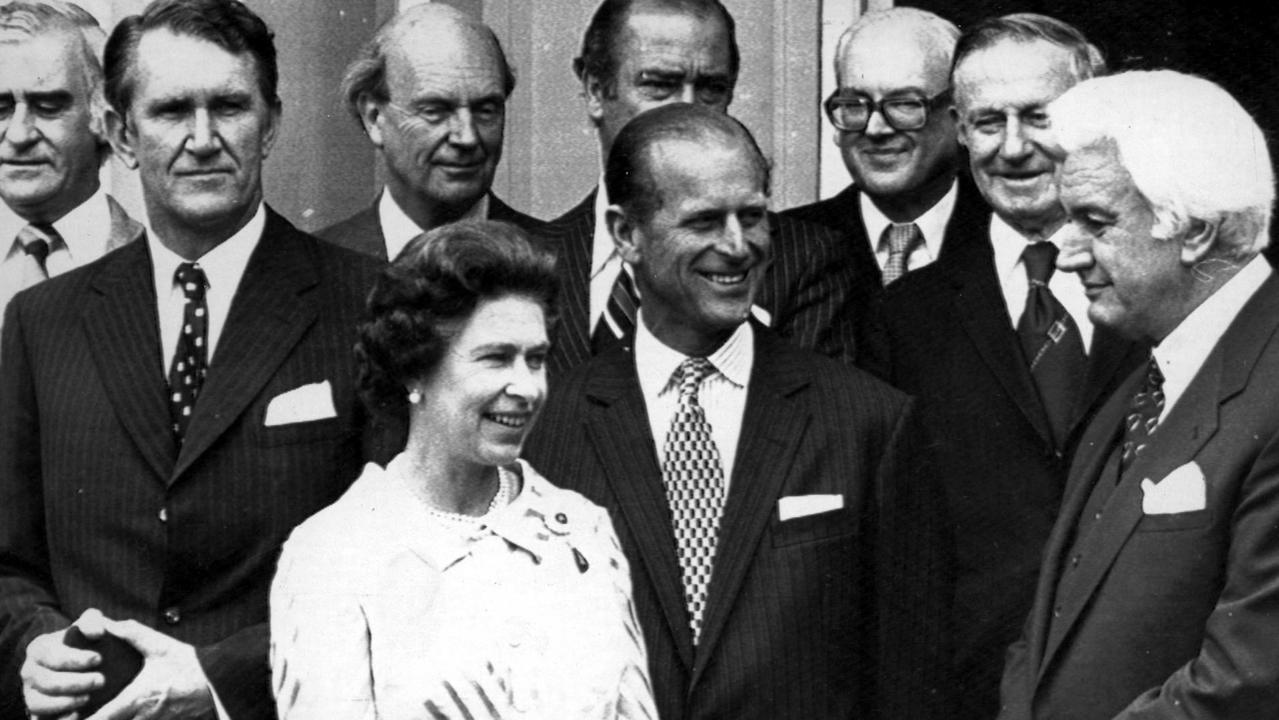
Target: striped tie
[{"x": 617, "y": 323}]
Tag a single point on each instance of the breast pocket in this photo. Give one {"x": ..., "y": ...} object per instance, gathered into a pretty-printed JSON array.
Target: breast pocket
[
  {"x": 814, "y": 528},
  {"x": 1175, "y": 521}
]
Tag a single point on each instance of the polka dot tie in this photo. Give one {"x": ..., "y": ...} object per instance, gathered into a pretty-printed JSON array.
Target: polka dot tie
[
  {"x": 191, "y": 360},
  {"x": 1143, "y": 415},
  {"x": 694, "y": 479}
]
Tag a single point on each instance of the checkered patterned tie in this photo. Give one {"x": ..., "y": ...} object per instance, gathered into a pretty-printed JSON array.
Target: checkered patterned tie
[
  {"x": 694, "y": 479},
  {"x": 902, "y": 241},
  {"x": 617, "y": 324},
  {"x": 38, "y": 240},
  {"x": 191, "y": 360},
  {"x": 1143, "y": 414}
]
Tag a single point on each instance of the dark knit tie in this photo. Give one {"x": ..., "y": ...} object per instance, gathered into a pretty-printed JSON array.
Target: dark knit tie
[
  {"x": 1051, "y": 341},
  {"x": 38, "y": 240}
]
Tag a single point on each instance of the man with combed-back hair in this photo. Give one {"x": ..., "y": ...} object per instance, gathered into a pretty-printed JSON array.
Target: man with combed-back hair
[
  {"x": 1159, "y": 586},
  {"x": 641, "y": 54},
  {"x": 998, "y": 347},
  {"x": 430, "y": 91},
  {"x": 171, "y": 411},
  {"x": 55, "y": 215}
]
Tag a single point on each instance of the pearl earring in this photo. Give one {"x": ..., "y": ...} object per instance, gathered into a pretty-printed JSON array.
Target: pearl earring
[{"x": 415, "y": 396}]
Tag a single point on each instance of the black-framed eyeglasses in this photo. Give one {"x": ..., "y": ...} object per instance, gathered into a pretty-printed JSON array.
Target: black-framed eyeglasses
[{"x": 850, "y": 112}]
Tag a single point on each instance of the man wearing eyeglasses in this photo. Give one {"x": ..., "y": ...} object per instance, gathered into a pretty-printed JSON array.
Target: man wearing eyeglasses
[
  {"x": 997, "y": 347},
  {"x": 430, "y": 91},
  {"x": 905, "y": 207}
]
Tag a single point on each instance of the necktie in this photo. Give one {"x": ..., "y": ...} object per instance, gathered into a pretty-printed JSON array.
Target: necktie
[
  {"x": 694, "y": 480},
  {"x": 617, "y": 324},
  {"x": 191, "y": 360},
  {"x": 38, "y": 240},
  {"x": 1143, "y": 414},
  {"x": 902, "y": 241},
  {"x": 1051, "y": 342}
]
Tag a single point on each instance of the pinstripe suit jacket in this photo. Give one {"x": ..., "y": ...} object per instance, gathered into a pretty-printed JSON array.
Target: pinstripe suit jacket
[
  {"x": 809, "y": 290},
  {"x": 362, "y": 232},
  {"x": 98, "y": 507},
  {"x": 807, "y": 617},
  {"x": 952, "y": 345}
]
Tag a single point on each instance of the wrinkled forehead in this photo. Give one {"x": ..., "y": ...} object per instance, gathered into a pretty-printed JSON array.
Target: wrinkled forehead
[
  {"x": 1013, "y": 73},
  {"x": 52, "y": 60},
  {"x": 444, "y": 62}
]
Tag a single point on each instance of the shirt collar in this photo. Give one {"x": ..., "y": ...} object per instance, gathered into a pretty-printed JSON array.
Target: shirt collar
[
  {"x": 398, "y": 228},
  {"x": 932, "y": 224},
  {"x": 602, "y": 248},
  {"x": 223, "y": 265},
  {"x": 85, "y": 230},
  {"x": 1009, "y": 244},
  {"x": 1182, "y": 353},
  {"x": 655, "y": 362}
]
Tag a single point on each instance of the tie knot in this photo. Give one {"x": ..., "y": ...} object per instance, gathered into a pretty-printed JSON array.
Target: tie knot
[
  {"x": 903, "y": 238},
  {"x": 1039, "y": 259},
  {"x": 190, "y": 277},
  {"x": 38, "y": 240},
  {"x": 1154, "y": 376},
  {"x": 690, "y": 374}
]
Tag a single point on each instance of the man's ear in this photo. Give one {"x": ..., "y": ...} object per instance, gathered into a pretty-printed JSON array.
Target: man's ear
[
  {"x": 624, "y": 233},
  {"x": 594, "y": 91},
  {"x": 273, "y": 128},
  {"x": 120, "y": 137},
  {"x": 1198, "y": 241},
  {"x": 370, "y": 115},
  {"x": 959, "y": 126}
]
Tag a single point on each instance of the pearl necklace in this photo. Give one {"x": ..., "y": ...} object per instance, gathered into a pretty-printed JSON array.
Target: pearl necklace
[{"x": 501, "y": 498}]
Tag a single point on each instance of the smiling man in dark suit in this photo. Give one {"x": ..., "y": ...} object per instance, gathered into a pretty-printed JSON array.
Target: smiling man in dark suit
[
  {"x": 1158, "y": 596},
  {"x": 170, "y": 412},
  {"x": 998, "y": 348},
  {"x": 786, "y": 551},
  {"x": 641, "y": 54},
  {"x": 430, "y": 92},
  {"x": 905, "y": 208}
]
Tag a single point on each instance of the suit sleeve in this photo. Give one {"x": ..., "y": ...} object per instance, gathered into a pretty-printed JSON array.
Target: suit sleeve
[
  {"x": 28, "y": 605},
  {"x": 1236, "y": 673},
  {"x": 913, "y": 557}
]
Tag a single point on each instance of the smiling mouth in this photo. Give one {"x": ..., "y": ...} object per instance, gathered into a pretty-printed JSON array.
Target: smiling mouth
[
  {"x": 511, "y": 421},
  {"x": 726, "y": 278}
]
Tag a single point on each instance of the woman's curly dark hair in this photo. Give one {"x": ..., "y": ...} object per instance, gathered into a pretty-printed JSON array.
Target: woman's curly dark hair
[{"x": 421, "y": 301}]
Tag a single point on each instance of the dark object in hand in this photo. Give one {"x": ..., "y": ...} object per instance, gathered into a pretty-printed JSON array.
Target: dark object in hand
[{"x": 120, "y": 664}]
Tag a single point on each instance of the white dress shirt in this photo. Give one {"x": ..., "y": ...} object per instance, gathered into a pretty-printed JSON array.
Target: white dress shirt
[
  {"x": 1182, "y": 353},
  {"x": 722, "y": 393},
  {"x": 932, "y": 225},
  {"x": 223, "y": 268},
  {"x": 85, "y": 232},
  {"x": 398, "y": 228},
  {"x": 1008, "y": 245}
]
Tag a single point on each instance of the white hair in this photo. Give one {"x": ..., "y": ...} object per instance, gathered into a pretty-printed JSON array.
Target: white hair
[
  {"x": 1192, "y": 150},
  {"x": 939, "y": 34}
]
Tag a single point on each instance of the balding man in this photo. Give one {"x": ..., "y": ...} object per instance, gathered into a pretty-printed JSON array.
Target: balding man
[
  {"x": 893, "y": 127},
  {"x": 55, "y": 214},
  {"x": 1159, "y": 586},
  {"x": 430, "y": 91},
  {"x": 999, "y": 350},
  {"x": 783, "y": 546},
  {"x": 641, "y": 54}
]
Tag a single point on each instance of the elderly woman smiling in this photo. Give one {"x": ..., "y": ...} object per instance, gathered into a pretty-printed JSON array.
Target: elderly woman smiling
[{"x": 457, "y": 582}]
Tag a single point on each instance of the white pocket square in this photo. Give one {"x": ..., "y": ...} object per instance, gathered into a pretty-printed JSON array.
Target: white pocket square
[
  {"x": 1183, "y": 490},
  {"x": 798, "y": 506},
  {"x": 301, "y": 404}
]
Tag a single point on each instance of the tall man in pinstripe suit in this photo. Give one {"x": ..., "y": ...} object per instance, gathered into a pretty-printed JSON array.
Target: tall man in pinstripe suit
[
  {"x": 171, "y": 411},
  {"x": 641, "y": 54},
  {"x": 783, "y": 547}
]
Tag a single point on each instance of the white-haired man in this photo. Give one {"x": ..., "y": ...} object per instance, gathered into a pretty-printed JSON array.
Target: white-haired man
[
  {"x": 55, "y": 215},
  {"x": 1159, "y": 588}
]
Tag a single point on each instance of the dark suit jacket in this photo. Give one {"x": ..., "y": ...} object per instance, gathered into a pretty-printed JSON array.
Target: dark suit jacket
[
  {"x": 801, "y": 614},
  {"x": 98, "y": 508},
  {"x": 952, "y": 344},
  {"x": 809, "y": 290},
  {"x": 362, "y": 232},
  {"x": 1174, "y": 615}
]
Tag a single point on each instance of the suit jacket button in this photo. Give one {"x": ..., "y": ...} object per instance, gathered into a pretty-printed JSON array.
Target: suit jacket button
[
  {"x": 172, "y": 616},
  {"x": 1074, "y": 561}
]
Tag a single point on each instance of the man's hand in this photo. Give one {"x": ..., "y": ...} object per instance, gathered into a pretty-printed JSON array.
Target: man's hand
[
  {"x": 171, "y": 685},
  {"x": 57, "y": 679}
]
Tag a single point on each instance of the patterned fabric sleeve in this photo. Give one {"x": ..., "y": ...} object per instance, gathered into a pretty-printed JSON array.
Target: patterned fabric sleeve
[{"x": 635, "y": 691}]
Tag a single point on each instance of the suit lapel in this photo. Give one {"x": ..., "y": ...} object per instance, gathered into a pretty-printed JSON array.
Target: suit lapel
[
  {"x": 268, "y": 316},
  {"x": 1178, "y": 439},
  {"x": 619, "y": 430},
  {"x": 574, "y": 238},
  {"x": 980, "y": 305},
  {"x": 123, "y": 332},
  {"x": 772, "y": 427}
]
